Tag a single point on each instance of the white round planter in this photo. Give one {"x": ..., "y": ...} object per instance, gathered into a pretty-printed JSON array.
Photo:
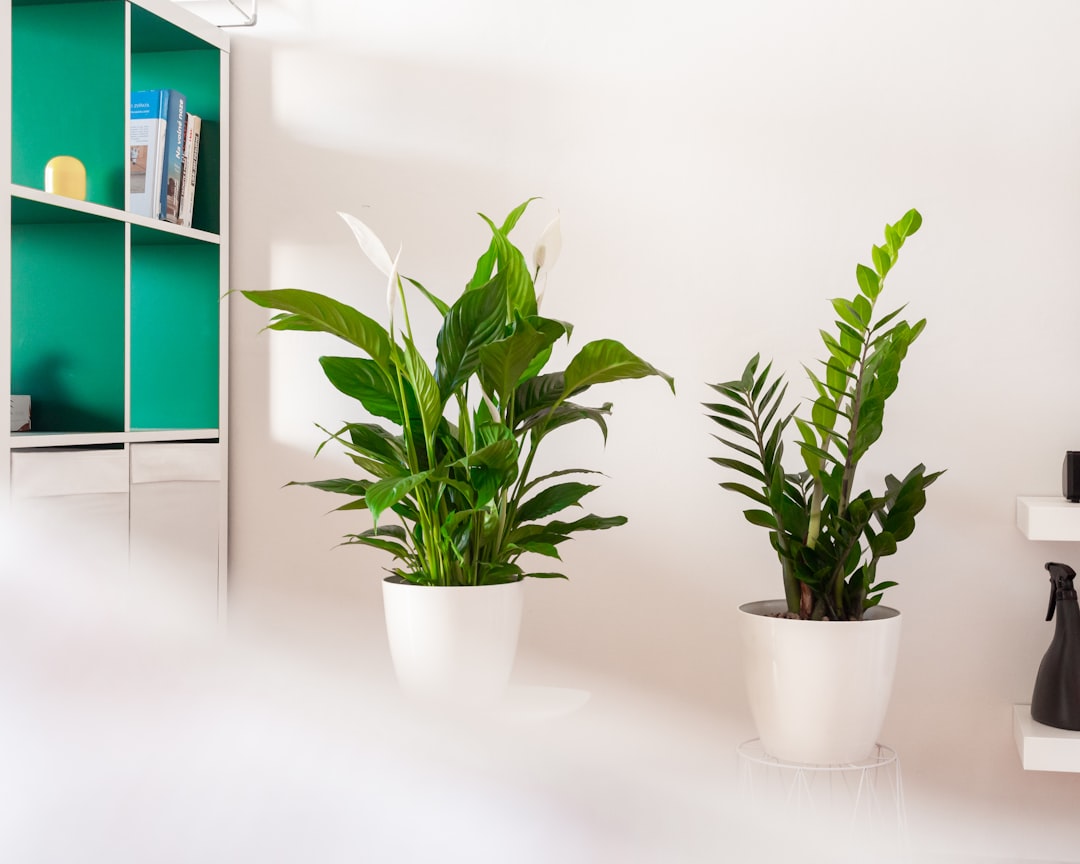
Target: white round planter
[
  {"x": 818, "y": 690},
  {"x": 453, "y": 645}
]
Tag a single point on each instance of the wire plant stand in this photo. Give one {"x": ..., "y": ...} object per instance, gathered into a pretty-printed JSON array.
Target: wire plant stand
[{"x": 849, "y": 801}]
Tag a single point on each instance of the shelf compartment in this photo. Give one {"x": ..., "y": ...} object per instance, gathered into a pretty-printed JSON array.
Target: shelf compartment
[
  {"x": 174, "y": 336},
  {"x": 1044, "y": 748},
  {"x": 164, "y": 56},
  {"x": 67, "y": 311},
  {"x": 68, "y": 94},
  {"x": 1048, "y": 518}
]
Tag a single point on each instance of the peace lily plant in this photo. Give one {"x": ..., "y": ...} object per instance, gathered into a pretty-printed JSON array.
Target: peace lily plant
[
  {"x": 828, "y": 537},
  {"x": 454, "y": 460}
]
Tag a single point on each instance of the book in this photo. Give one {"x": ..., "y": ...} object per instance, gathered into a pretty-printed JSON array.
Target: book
[
  {"x": 146, "y": 150},
  {"x": 192, "y": 137},
  {"x": 173, "y": 168}
]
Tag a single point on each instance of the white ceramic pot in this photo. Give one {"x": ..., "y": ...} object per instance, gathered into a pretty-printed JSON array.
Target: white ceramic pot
[
  {"x": 453, "y": 645},
  {"x": 818, "y": 690}
]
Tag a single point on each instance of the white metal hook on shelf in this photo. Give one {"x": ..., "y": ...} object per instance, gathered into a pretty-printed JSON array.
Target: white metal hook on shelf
[{"x": 225, "y": 13}]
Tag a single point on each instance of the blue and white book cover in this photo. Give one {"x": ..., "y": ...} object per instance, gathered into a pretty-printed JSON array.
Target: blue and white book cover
[
  {"x": 174, "y": 156},
  {"x": 146, "y": 150}
]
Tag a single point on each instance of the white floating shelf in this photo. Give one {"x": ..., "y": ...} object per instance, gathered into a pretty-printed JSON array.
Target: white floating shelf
[
  {"x": 1048, "y": 518},
  {"x": 1044, "y": 748}
]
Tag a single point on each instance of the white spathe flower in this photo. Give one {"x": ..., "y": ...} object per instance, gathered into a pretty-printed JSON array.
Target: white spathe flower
[
  {"x": 545, "y": 255},
  {"x": 548, "y": 247},
  {"x": 369, "y": 242}
]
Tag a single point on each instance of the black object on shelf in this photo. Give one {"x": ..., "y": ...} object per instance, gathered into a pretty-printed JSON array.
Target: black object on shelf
[
  {"x": 1056, "y": 699},
  {"x": 1070, "y": 476}
]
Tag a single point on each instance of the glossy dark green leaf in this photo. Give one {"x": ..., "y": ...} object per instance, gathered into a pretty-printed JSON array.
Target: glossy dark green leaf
[
  {"x": 549, "y": 501},
  {"x": 385, "y": 493},
  {"x": 760, "y": 517},
  {"x": 363, "y": 380},
  {"x": 341, "y": 486},
  {"x": 399, "y": 551},
  {"x": 504, "y": 362},
  {"x": 566, "y": 413},
  {"x": 476, "y": 319},
  {"x": 538, "y": 394},
  {"x": 606, "y": 360},
  {"x": 591, "y": 522},
  {"x": 735, "y": 465},
  {"x": 752, "y": 494},
  {"x": 514, "y": 272},
  {"x": 317, "y": 313},
  {"x": 485, "y": 266},
  {"x": 540, "y": 548},
  {"x": 428, "y": 398},
  {"x": 551, "y": 475}
]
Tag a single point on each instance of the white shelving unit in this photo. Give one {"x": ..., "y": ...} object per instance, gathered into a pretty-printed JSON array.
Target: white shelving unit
[
  {"x": 113, "y": 323},
  {"x": 1045, "y": 748},
  {"x": 1044, "y": 518}
]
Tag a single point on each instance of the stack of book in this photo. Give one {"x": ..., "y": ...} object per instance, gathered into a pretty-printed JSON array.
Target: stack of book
[{"x": 163, "y": 155}]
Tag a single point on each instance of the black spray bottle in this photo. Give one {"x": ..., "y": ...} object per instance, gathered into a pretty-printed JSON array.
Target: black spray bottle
[{"x": 1056, "y": 700}]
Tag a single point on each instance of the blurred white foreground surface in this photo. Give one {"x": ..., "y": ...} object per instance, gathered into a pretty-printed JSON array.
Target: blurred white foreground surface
[{"x": 132, "y": 732}]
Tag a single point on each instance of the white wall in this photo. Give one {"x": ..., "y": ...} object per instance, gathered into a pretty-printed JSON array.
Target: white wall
[{"x": 720, "y": 169}]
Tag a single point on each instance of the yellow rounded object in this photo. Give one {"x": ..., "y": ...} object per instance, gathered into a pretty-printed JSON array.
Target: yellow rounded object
[{"x": 65, "y": 175}]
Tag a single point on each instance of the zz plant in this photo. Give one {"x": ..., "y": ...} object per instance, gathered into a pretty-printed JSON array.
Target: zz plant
[
  {"x": 454, "y": 459},
  {"x": 829, "y": 539}
]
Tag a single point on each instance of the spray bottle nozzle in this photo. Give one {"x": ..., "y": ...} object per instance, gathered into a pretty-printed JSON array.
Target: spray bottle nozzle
[{"x": 1061, "y": 578}]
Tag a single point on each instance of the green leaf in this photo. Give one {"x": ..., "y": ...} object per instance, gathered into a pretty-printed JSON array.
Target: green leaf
[
  {"x": 341, "y": 485},
  {"x": 313, "y": 312},
  {"x": 512, "y": 269},
  {"x": 591, "y": 522},
  {"x": 428, "y": 397},
  {"x": 760, "y": 517},
  {"x": 399, "y": 551},
  {"x": 364, "y": 381},
  {"x": 846, "y": 310},
  {"x": 376, "y": 441},
  {"x": 742, "y": 467},
  {"x": 607, "y": 360},
  {"x": 868, "y": 280},
  {"x": 540, "y": 548},
  {"x": 499, "y": 455},
  {"x": 504, "y": 362},
  {"x": 551, "y": 475},
  {"x": 566, "y": 413},
  {"x": 439, "y": 304},
  {"x": 477, "y": 318},
  {"x": 550, "y": 500},
  {"x": 538, "y": 394},
  {"x": 486, "y": 264},
  {"x": 882, "y": 261},
  {"x": 385, "y": 493},
  {"x": 752, "y": 494}
]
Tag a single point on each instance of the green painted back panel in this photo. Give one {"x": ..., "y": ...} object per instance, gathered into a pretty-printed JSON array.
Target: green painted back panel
[
  {"x": 68, "y": 94},
  {"x": 174, "y": 343},
  {"x": 67, "y": 311}
]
